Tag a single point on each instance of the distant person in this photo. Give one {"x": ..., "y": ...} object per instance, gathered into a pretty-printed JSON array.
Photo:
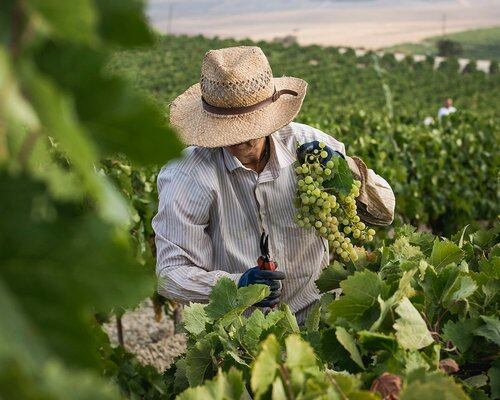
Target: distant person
[{"x": 447, "y": 108}]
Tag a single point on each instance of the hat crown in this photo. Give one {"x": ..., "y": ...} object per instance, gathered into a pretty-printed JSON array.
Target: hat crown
[{"x": 236, "y": 77}]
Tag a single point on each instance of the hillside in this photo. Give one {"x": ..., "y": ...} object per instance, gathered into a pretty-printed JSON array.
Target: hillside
[{"x": 479, "y": 44}]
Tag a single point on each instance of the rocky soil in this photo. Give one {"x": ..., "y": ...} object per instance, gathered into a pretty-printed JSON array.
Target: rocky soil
[{"x": 153, "y": 343}]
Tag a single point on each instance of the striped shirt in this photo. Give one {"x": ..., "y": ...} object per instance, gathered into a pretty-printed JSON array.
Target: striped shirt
[{"x": 213, "y": 210}]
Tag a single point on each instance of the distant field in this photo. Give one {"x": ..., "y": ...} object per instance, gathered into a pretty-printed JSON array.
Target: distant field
[
  {"x": 370, "y": 24},
  {"x": 477, "y": 44}
]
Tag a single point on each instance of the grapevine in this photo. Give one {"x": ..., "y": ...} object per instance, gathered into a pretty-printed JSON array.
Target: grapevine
[{"x": 322, "y": 205}]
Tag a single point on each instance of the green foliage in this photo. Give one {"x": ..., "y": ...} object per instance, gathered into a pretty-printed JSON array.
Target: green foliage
[
  {"x": 449, "y": 48},
  {"x": 434, "y": 311},
  {"x": 134, "y": 379},
  {"x": 65, "y": 251}
]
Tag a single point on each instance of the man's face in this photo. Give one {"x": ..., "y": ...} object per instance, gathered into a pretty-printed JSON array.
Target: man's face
[
  {"x": 244, "y": 148},
  {"x": 448, "y": 103}
]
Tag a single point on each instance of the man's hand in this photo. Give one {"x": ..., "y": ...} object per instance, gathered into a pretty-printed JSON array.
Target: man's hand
[
  {"x": 310, "y": 148},
  {"x": 255, "y": 276}
]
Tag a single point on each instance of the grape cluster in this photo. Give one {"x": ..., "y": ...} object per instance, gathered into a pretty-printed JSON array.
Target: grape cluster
[{"x": 333, "y": 215}]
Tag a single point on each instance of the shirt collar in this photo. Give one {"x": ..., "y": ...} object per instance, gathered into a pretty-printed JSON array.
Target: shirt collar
[{"x": 281, "y": 157}]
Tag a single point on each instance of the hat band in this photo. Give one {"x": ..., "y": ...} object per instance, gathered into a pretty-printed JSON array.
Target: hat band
[{"x": 246, "y": 109}]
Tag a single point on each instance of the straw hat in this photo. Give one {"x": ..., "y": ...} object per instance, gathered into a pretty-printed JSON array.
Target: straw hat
[{"x": 237, "y": 99}]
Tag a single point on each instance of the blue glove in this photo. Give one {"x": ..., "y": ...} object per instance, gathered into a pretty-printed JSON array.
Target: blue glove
[
  {"x": 255, "y": 276},
  {"x": 309, "y": 147}
]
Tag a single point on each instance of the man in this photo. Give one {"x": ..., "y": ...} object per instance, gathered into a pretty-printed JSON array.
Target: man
[
  {"x": 237, "y": 181},
  {"x": 447, "y": 108}
]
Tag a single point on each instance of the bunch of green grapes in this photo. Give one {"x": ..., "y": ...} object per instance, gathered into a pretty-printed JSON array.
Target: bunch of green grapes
[{"x": 333, "y": 215}]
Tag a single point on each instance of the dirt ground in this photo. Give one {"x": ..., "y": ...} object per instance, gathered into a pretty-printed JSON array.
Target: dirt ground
[{"x": 154, "y": 343}]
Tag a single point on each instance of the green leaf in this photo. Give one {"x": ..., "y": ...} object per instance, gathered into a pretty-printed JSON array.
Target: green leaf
[
  {"x": 491, "y": 268},
  {"x": 331, "y": 277},
  {"x": 75, "y": 265},
  {"x": 52, "y": 381},
  {"x": 278, "y": 392},
  {"x": 494, "y": 375},
  {"x": 114, "y": 15},
  {"x": 273, "y": 318},
  {"x": 246, "y": 297},
  {"x": 227, "y": 302},
  {"x": 180, "y": 377},
  {"x": 199, "y": 362},
  {"x": 251, "y": 331},
  {"x": 134, "y": 126},
  {"x": 411, "y": 330},
  {"x": 444, "y": 253},
  {"x": 476, "y": 381},
  {"x": 313, "y": 318},
  {"x": 71, "y": 21},
  {"x": 195, "y": 318},
  {"x": 462, "y": 288},
  {"x": 460, "y": 333},
  {"x": 346, "y": 340},
  {"x": 433, "y": 387},
  {"x": 342, "y": 180},
  {"x": 289, "y": 322},
  {"x": 491, "y": 329},
  {"x": 57, "y": 114},
  {"x": 299, "y": 353},
  {"x": 224, "y": 386},
  {"x": 404, "y": 290},
  {"x": 360, "y": 292},
  {"x": 333, "y": 352},
  {"x": 265, "y": 366},
  {"x": 377, "y": 341},
  {"x": 17, "y": 338},
  {"x": 223, "y": 299}
]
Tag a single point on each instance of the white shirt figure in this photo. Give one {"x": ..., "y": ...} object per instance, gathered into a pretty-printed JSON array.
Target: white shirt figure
[
  {"x": 213, "y": 210},
  {"x": 447, "y": 109}
]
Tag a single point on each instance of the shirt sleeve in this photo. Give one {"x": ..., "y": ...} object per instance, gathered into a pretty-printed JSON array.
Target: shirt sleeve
[
  {"x": 183, "y": 246},
  {"x": 376, "y": 201}
]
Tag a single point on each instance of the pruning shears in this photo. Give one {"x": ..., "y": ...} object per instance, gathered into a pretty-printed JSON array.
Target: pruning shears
[{"x": 264, "y": 261}]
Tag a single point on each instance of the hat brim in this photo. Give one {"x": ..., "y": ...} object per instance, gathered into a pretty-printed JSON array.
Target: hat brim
[{"x": 198, "y": 127}]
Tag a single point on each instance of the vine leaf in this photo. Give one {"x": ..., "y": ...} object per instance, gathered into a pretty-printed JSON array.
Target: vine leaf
[
  {"x": 361, "y": 291},
  {"x": 226, "y": 385},
  {"x": 460, "y": 333},
  {"x": 342, "y": 179},
  {"x": 491, "y": 329},
  {"x": 299, "y": 353},
  {"x": 198, "y": 361},
  {"x": 195, "y": 318},
  {"x": 75, "y": 20},
  {"x": 265, "y": 366},
  {"x": 346, "y": 340},
  {"x": 331, "y": 277},
  {"x": 494, "y": 375},
  {"x": 433, "y": 387},
  {"x": 411, "y": 330},
  {"x": 444, "y": 253}
]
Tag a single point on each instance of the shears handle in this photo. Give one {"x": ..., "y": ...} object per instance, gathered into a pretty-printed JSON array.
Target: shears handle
[{"x": 266, "y": 265}]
